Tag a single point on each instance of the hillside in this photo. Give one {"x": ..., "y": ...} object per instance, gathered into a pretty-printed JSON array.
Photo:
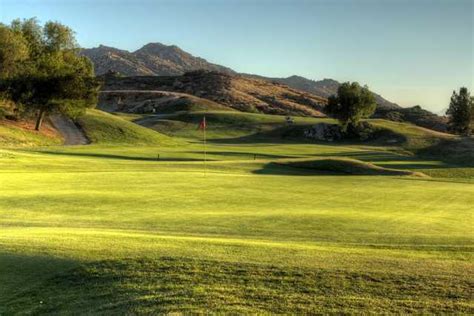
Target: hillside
[
  {"x": 415, "y": 115},
  {"x": 241, "y": 93},
  {"x": 385, "y": 108},
  {"x": 156, "y": 59},
  {"x": 152, "y": 59},
  {"x": 105, "y": 128},
  {"x": 324, "y": 88},
  {"x": 152, "y": 101},
  {"x": 22, "y": 134}
]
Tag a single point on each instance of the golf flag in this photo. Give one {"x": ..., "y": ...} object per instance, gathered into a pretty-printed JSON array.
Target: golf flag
[{"x": 202, "y": 125}]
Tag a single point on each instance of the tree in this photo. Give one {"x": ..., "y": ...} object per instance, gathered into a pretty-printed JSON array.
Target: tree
[
  {"x": 351, "y": 104},
  {"x": 13, "y": 51},
  {"x": 461, "y": 112},
  {"x": 54, "y": 77}
]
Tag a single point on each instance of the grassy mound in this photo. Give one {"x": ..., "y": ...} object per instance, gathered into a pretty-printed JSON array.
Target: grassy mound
[
  {"x": 347, "y": 166},
  {"x": 190, "y": 103},
  {"x": 427, "y": 143},
  {"x": 22, "y": 134},
  {"x": 104, "y": 128},
  {"x": 459, "y": 150},
  {"x": 226, "y": 125},
  {"x": 413, "y": 137}
]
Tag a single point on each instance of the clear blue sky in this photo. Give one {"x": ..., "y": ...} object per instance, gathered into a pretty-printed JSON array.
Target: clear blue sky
[{"x": 410, "y": 51}]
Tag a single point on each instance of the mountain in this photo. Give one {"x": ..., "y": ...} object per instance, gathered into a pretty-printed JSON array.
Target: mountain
[
  {"x": 323, "y": 88},
  {"x": 294, "y": 95},
  {"x": 156, "y": 59},
  {"x": 153, "y": 59},
  {"x": 234, "y": 91}
]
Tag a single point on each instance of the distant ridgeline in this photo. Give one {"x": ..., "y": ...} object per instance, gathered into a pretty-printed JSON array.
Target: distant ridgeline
[{"x": 156, "y": 66}]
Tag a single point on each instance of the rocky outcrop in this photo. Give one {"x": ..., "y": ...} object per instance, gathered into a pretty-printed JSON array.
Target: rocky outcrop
[{"x": 324, "y": 132}]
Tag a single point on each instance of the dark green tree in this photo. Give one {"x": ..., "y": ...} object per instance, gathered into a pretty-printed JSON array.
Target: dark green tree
[
  {"x": 13, "y": 52},
  {"x": 351, "y": 104},
  {"x": 461, "y": 112},
  {"x": 53, "y": 76}
]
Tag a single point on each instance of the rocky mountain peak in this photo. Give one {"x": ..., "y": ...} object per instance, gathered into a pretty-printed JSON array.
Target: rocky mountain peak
[{"x": 152, "y": 59}]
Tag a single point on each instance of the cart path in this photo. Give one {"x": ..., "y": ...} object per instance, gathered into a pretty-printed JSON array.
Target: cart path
[{"x": 72, "y": 134}]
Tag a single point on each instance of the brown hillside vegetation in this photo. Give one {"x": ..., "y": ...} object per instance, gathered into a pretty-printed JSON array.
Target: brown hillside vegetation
[
  {"x": 244, "y": 94},
  {"x": 151, "y": 101}
]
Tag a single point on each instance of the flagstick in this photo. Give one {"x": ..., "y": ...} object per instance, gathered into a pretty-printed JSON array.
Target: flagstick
[{"x": 205, "y": 153}]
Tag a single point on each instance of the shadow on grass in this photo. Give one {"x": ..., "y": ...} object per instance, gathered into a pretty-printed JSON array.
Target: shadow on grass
[
  {"x": 248, "y": 155},
  {"x": 459, "y": 151},
  {"x": 179, "y": 285},
  {"x": 294, "y": 134},
  {"x": 281, "y": 134},
  {"x": 326, "y": 167},
  {"x": 120, "y": 157},
  {"x": 274, "y": 168},
  {"x": 390, "y": 160},
  {"x": 19, "y": 272}
]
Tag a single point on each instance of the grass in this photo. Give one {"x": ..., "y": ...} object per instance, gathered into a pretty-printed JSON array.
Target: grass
[
  {"x": 112, "y": 228},
  {"x": 104, "y": 128},
  {"x": 237, "y": 126},
  {"x": 344, "y": 166},
  {"x": 22, "y": 134}
]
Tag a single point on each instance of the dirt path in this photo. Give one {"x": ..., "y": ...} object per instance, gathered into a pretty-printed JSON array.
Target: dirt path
[{"x": 72, "y": 134}]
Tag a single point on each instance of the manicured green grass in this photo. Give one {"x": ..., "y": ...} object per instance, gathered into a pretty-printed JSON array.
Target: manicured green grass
[
  {"x": 228, "y": 126},
  {"x": 344, "y": 166},
  {"x": 250, "y": 128},
  {"x": 104, "y": 128},
  {"x": 149, "y": 228}
]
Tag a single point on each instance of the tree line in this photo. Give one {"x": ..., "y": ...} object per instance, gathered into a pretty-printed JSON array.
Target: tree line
[{"x": 42, "y": 72}]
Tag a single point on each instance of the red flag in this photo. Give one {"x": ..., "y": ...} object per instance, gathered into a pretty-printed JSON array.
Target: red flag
[{"x": 202, "y": 125}]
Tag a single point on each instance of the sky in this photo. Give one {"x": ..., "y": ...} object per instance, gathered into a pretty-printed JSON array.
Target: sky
[{"x": 409, "y": 51}]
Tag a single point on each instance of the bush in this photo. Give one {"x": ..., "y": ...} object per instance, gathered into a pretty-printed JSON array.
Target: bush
[{"x": 362, "y": 131}]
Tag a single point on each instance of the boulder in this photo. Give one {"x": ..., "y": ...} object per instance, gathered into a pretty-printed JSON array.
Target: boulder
[{"x": 324, "y": 132}]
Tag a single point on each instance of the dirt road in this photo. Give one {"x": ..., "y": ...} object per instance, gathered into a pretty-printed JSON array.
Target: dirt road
[{"x": 72, "y": 134}]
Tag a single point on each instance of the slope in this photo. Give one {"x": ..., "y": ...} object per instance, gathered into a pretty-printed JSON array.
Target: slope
[
  {"x": 22, "y": 134},
  {"x": 324, "y": 88},
  {"x": 104, "y": 128},
  {"x": 151, "y": 101},
  {"x": 244, "y": 94}
]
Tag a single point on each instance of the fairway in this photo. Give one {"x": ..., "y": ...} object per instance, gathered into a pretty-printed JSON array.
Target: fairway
[{"x": 113, "y": 229}]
